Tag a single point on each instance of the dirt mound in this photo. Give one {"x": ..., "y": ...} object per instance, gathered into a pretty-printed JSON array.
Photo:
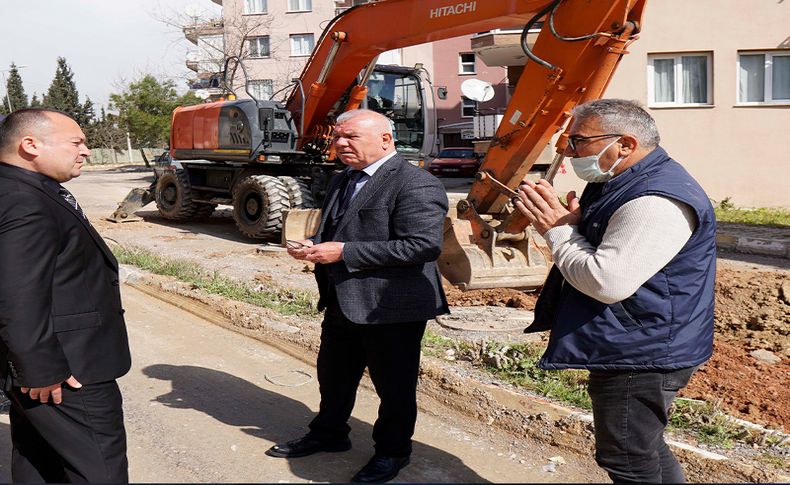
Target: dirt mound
[
  {"x": 743, "y": 386},
  {"x": 753, "y": 310},
  {"x": 492, "y": 297}
]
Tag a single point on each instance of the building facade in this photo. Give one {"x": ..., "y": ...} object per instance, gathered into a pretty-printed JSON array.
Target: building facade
[
  {"x": 717, "y": 80},
  {"x": 716, "y": 77}
]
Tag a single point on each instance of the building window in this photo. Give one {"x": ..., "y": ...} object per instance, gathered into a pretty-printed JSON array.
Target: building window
[
  {"x": 254, "y": 6},
  {"x": 300, "y": 5},
  {"x": 679, "y": 80},
  {"x": 466, "y": 63},
  {"x": 259, "y": 46},
  {"x": 468, "y": 107},
  {"x": 261, "y": 89},
  {"x": 764, "y": 77},
  {"x": 302, "y": 44}
]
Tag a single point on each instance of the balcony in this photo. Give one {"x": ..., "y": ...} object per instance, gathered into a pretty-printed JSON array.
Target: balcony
[
  {"x": 193, "y": 58},
  {"x": 502, "y": 47},
  {"x": 211, "y": 27},
  {"x": 212, "y": 81}
]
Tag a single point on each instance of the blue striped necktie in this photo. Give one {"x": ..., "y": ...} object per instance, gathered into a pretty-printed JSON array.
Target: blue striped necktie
[{"x": 69, "y": 197}]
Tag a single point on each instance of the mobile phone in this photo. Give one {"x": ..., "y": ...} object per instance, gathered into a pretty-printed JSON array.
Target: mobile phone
[{"x": 294, "y": 244}]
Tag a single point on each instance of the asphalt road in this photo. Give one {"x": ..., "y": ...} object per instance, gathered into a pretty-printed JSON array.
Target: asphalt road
[{"x": 203, "y": 403}]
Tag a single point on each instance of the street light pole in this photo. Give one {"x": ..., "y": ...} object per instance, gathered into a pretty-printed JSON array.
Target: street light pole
[{"x": 7, "y": 97}]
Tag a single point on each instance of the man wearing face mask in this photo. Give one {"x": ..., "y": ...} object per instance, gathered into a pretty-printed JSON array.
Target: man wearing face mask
[{"x": 630, "y": 297}]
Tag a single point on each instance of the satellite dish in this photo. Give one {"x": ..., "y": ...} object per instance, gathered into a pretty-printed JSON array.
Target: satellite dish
[
  {"x": 202, "y": 93},
  {"x": 477, "y": 90},
  {"x": 193, "y": 11}
]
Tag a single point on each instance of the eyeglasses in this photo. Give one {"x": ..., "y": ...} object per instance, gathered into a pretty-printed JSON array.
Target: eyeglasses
[{"x": 574, "y": 140}]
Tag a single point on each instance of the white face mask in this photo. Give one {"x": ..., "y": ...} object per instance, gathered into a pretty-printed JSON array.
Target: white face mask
[{"x": 587, "y": 168}]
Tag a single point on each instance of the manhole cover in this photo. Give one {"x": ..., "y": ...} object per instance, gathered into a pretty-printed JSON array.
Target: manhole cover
[
  {"x": 291, "y": 378},
  {"x": 486, "y": 319}
]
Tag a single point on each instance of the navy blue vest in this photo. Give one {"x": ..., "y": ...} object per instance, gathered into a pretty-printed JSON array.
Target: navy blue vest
[{"x": 668, "y": 322}]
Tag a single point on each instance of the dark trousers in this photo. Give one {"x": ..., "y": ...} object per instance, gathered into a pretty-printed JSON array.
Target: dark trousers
[
  {"x": 630, "y": 413},
  {"x": 80, "y": 440},
  {"x": 391, "y": 352}
]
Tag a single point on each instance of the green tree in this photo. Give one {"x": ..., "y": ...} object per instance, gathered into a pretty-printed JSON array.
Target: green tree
[
  {"x": 62, "y": 94},
  {"x": 145, "y": 108},
  {"x": 87, "y": 114},
  {"x": 106, "y": 132},
  {"x": 15, "y": 91},
  {"x": 35, "y": 102}
]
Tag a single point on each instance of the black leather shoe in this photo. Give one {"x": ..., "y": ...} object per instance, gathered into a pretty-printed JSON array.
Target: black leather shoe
[
  {"x": 306, "y": 446},
  {"x": 380, "y": 469}
]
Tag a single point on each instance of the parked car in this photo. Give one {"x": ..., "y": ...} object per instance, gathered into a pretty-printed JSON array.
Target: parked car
[{"x": 455, "y": 162}]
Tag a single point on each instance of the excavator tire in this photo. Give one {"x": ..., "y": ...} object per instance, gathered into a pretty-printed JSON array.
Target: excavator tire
[
  {"x": 299, "y": 194},
  {"x": 258, "y": 205},
  {"x": 175, "y": 198}
]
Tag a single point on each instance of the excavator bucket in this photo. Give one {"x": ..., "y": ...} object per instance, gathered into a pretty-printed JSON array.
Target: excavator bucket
[
  {"x": 134, "y": 200},
  {"x": 300, "y": 224},
  {"x": 517, "y": 262}
]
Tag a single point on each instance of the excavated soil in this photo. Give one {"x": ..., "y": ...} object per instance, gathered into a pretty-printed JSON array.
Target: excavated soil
[{"x": 752, "y": 314}]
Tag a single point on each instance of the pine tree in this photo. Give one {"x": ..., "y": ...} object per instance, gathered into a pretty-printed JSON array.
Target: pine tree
[
  {"x": 15, "y": 91},
  {"x": 35, "y": 102},
  {"x": 87, "y": 113},
  {"x": 62, "y": 94}
]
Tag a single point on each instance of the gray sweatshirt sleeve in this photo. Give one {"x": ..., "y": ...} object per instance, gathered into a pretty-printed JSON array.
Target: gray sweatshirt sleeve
[{"x": 641, "y": 238}]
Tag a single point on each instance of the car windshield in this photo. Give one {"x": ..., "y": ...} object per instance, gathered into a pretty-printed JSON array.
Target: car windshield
[{"x": 450, "y": 153}]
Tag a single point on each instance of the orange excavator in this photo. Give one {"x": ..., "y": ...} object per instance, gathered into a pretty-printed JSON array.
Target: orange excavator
[{"x": 269, "y": 158}]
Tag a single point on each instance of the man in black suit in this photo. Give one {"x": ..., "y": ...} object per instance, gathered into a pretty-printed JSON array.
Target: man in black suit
[
  {"x": 62, "y": 334},
  {"x": 375, "y": 255}
]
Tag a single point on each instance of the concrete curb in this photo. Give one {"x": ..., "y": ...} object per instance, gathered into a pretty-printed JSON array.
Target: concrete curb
[{"x": 763, "y": 241}]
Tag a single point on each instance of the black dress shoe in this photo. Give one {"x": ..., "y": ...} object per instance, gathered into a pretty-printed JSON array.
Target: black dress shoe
[
  {"x": 306, "y": 446},
  {"x": 380, "y": 469}
]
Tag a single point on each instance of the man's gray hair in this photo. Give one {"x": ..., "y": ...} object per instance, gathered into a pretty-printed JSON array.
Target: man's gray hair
[
  {"x": 381, "y": 121},
  {"x": 621, "y": 116}
]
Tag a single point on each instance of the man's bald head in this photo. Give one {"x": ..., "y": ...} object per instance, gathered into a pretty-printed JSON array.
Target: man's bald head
[
  {"x": 23, "y": 122},
  {"x": 44, "y": 141}
]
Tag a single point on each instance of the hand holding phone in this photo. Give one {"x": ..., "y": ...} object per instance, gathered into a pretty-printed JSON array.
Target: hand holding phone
[{"x": 294, "y": 244}]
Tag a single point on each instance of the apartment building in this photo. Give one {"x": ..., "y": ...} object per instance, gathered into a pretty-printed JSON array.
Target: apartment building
[{"x": 715, "y": 74}]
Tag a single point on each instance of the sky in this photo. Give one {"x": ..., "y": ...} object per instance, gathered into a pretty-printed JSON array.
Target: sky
[{"x": 107, "y": 43}]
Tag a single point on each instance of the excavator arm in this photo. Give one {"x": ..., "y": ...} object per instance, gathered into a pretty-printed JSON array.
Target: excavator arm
[{"x": 487, "y": 243}]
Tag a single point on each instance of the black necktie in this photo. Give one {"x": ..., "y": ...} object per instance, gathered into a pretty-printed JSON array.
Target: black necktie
[
  {"x": 69, "y": 197},
  {"x": 353, "y": 177}
]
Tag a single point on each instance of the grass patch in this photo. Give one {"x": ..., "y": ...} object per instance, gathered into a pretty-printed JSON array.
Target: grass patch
[
  {"x": 705, "y": 421},
  {"x": 727, "y": 212},
  {"x": 282, "y": 300},
  {"x": 514, "y": 364},
  {"x": 710, "y": 425}
]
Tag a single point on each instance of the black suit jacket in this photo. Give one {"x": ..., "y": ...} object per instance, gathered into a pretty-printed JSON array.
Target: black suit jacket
[
  {"x": 60, "y": 304},
  {"x": 392, "y": 230}
]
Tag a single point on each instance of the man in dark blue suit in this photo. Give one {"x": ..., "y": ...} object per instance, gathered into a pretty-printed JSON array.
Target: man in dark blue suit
[
  {"x": 375, "y": 255},
  {"x": 62, "y": 334}
]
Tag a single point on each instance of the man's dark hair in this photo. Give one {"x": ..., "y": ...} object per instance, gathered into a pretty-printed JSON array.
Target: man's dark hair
[{"x": 20, "y": 121}]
